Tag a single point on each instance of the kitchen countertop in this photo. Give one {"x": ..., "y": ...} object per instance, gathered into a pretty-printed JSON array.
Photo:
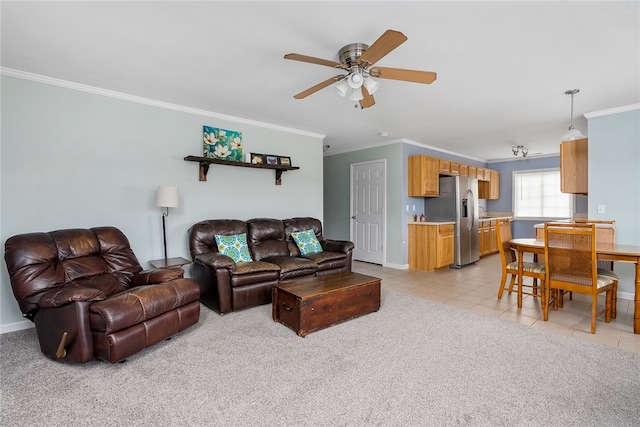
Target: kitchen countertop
[
  {"x": 541, "y": 225},
  {"x": 430, "y": 222}
]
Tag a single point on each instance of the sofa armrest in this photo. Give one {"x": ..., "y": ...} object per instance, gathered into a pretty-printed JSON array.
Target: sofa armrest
[
  {"x": 343, "y": 246},
  {"x": 151, "y": 277},
  {"x": 216, "y": 261},
  {"x": 67, "y": 294}
]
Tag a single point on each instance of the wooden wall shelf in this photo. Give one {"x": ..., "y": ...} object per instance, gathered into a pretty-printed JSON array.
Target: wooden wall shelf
[{"x": 205, "y": 162}]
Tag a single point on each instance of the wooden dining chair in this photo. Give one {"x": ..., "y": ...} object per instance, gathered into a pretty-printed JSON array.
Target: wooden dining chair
[
  {"x": 606, "y": 235},
  {"x": 571, "y": 265},
  {"x": 509, "y": 261}
]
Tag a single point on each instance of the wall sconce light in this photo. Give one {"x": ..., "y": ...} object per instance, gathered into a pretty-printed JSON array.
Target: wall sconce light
[
  {"x": 516, "y": 149},
  {"x": 166, "y": 197}
]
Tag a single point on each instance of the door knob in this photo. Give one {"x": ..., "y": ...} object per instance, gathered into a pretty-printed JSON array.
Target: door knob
[{"x": 353, "y": 217}]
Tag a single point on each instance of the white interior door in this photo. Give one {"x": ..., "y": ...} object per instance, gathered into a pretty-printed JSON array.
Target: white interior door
[{"x": 367, "y": 202}]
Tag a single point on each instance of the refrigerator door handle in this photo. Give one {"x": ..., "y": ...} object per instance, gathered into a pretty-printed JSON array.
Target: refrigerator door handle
[{"x": 472, "y": 210}]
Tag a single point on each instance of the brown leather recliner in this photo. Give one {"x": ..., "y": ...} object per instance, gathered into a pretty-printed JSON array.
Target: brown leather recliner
[{"x": 89, "y": 297}]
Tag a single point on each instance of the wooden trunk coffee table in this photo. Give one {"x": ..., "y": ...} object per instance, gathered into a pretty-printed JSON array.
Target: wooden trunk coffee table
[{"x": 309, "y": 304}]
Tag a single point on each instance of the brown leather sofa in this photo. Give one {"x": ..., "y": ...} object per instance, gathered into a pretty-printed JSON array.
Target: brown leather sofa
[
  {"x": 89, "y": 297},
  {"x": 226, "y": 286}
]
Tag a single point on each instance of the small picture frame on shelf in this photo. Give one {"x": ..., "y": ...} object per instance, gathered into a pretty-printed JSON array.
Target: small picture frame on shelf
[
  {"x": 271, "y": 160},
  {"x": 258, "y": 159},
  {"x": 284, "y": 161}
]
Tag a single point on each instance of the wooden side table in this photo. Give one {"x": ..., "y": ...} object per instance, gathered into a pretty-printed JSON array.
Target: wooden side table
[{"x": 169, "y": 262}]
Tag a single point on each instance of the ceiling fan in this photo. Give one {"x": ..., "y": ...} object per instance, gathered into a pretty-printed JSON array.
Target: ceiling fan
[{"x": 357, "y": 60}]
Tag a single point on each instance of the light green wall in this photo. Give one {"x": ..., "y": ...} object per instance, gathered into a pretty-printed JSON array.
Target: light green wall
[
  {"x": 337, "y": 211},
  {"x": 71, "y": 158},
  {"x": 614, "y": 180}
]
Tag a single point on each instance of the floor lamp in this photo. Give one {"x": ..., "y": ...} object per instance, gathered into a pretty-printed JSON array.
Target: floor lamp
[{"x": 167, "y": 197}]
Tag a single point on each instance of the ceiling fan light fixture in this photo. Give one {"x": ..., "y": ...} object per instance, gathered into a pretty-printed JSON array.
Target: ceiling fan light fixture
[
  {"x": 355, "y": 80},
  {"x": 371, "y": 85},
  {"x": 356, "y": 94},
  {"x": 342, "y": 88}
]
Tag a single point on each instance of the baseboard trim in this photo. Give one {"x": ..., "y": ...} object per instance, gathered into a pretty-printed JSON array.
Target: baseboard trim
[
  {"x": 625, "y": 295},
  {"x": 16, "y": 326},
  {"x": 396, "y": 266}
]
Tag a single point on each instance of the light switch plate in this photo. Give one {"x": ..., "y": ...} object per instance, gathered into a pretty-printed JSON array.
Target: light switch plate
[{"x": 601, "y": 209}]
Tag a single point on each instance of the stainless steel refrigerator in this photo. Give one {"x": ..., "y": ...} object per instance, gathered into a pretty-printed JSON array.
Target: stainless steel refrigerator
[{"x": 458, "y": 202}]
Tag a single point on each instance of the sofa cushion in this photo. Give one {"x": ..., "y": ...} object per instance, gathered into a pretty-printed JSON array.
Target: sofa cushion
[
  {"x": 235, "y": 247},
  {"x": 307, "y": 242},
  {"x": 254, "y": 267},
  {"x": 202, "y": 234},
  {"x": 140, "y": 304},
  {"x": 267, "y": 238},
  {"x": 293, "y": 266}
]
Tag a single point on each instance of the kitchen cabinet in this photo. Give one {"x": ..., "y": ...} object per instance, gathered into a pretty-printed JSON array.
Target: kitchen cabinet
[
  {"x": 494, "y": 185},
  {"x": 445, "y": 167},
  {"x": 490, "y": 189},
  {"x": 488, "y": 237},
  {"x": 423, "y": 176},
  {"x": 444, "y": 246},
  {"x": 430, "y": 246},
  {"x": 425, "y": 170},
  {"x": 449, "y": 168},
  {"x": 573, "y": 166}
]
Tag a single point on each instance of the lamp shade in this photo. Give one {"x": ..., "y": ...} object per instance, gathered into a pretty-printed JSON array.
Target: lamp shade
[
  {"x": 355, "y": 80},
  {"x": 371, "y": 85},
  {"x": 342, "y": 88},
  {"x": 356, "y": 94},
  {"x": 572, "y": 134},
  {"x": 167, "y": 196}
]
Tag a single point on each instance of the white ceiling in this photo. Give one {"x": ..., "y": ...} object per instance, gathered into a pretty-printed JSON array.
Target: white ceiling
[{"x": 503, "y": 67}]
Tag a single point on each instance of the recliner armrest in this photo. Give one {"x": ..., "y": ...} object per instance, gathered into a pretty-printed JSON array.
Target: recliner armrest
[
  {"x": 343, "y": 246},
  {"x": 151, "y": 277},
  {"x": 67, "y": 294},
  {"x": 216, "y": 260}
]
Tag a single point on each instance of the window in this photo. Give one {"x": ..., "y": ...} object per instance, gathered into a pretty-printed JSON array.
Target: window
[{"x": 536, "y": 195}]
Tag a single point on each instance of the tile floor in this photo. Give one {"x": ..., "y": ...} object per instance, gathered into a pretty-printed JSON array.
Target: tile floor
[{"x": 475, "y": 288}]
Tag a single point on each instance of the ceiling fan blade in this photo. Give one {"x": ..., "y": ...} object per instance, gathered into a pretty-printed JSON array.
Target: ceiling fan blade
[
  {"x": 425, "y": 77},
  {"x": 312, "y": 60},
  {"x": 319, "y": 86},
  {"x": 368, "y": 100},
  {"x": 386, "y": 43}
]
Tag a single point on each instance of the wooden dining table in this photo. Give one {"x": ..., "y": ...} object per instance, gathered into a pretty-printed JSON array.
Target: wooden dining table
[{"x": 605, "y": 252}]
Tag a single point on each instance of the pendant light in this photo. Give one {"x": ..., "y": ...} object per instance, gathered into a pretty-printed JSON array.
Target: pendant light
[{"x": 572, "y": 133}]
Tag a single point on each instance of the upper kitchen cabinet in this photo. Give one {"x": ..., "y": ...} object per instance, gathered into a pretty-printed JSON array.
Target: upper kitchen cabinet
[
  {"x": 573, "y": 166},
  {"x": 423, "y": 176},
  {"x": 490, "y": 189}
]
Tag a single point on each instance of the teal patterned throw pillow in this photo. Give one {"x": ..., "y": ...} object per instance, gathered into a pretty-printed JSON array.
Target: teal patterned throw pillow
[
  {"x": 307, "y": 242},
  {"x": 234, "y": 247}
]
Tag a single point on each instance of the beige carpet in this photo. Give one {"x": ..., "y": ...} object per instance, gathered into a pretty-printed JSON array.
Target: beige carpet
[{"x": 413, "y": 363}]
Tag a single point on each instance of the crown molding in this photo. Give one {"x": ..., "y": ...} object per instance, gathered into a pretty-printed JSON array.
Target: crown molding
[
  {"x": 146, "y": 101},
  {"x": 610, "y": 111},
  {"x": 430, "y": 147}
]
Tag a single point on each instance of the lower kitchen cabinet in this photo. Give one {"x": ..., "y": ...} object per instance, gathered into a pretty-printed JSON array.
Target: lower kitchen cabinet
[
  {"x": 488, "y": 237},
  {"x": 430, "y": 246}
]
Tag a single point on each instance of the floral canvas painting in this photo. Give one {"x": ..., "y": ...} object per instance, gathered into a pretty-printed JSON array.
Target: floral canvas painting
[{"x": 222, "y": 144}]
